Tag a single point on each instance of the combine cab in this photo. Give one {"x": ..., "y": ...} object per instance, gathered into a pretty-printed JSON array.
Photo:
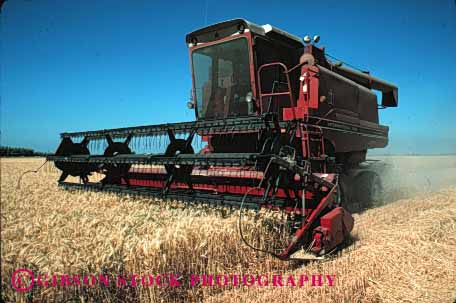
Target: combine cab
[{"x": 280, "y": 128}]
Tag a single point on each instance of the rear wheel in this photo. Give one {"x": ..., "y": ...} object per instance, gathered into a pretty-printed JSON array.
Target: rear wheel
[
  {"x": 344, "y": 196},
  {"x": 369, "y": 190}
]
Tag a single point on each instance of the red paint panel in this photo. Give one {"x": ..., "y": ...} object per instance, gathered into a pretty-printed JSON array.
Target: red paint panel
[
  {"x": 313, "y": 87},
  {"x": 150, "y": 178},
  {"x": 298, "y": 113},
  {"x": 308, "y": 98},
  {"x": 336, "y": 225}
]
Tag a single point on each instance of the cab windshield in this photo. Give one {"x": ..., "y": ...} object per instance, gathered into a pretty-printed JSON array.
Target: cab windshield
[{"x": 222, "y": 79}]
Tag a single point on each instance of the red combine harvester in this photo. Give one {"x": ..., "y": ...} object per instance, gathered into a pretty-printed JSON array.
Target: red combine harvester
[{"x": 280, "y": 127}]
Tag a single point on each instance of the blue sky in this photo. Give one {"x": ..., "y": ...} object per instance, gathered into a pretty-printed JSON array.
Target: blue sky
[{"x": 84, "y": 65}]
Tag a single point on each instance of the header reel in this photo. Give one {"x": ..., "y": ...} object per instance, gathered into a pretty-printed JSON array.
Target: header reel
[{"x": 275, "y": 178}]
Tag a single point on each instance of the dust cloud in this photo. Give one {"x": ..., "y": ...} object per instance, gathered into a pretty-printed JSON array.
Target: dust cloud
[{"x": 408, "y": 176}]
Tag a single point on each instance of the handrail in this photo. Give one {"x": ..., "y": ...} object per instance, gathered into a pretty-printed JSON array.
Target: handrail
[{"x": 289, "y": 93}]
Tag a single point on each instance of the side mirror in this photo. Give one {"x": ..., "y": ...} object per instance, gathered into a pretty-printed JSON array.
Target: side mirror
[{"x": 191, "y": 105}]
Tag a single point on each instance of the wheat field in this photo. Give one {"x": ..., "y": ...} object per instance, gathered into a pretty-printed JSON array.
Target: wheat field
[{"x": 401, "y": 252}]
